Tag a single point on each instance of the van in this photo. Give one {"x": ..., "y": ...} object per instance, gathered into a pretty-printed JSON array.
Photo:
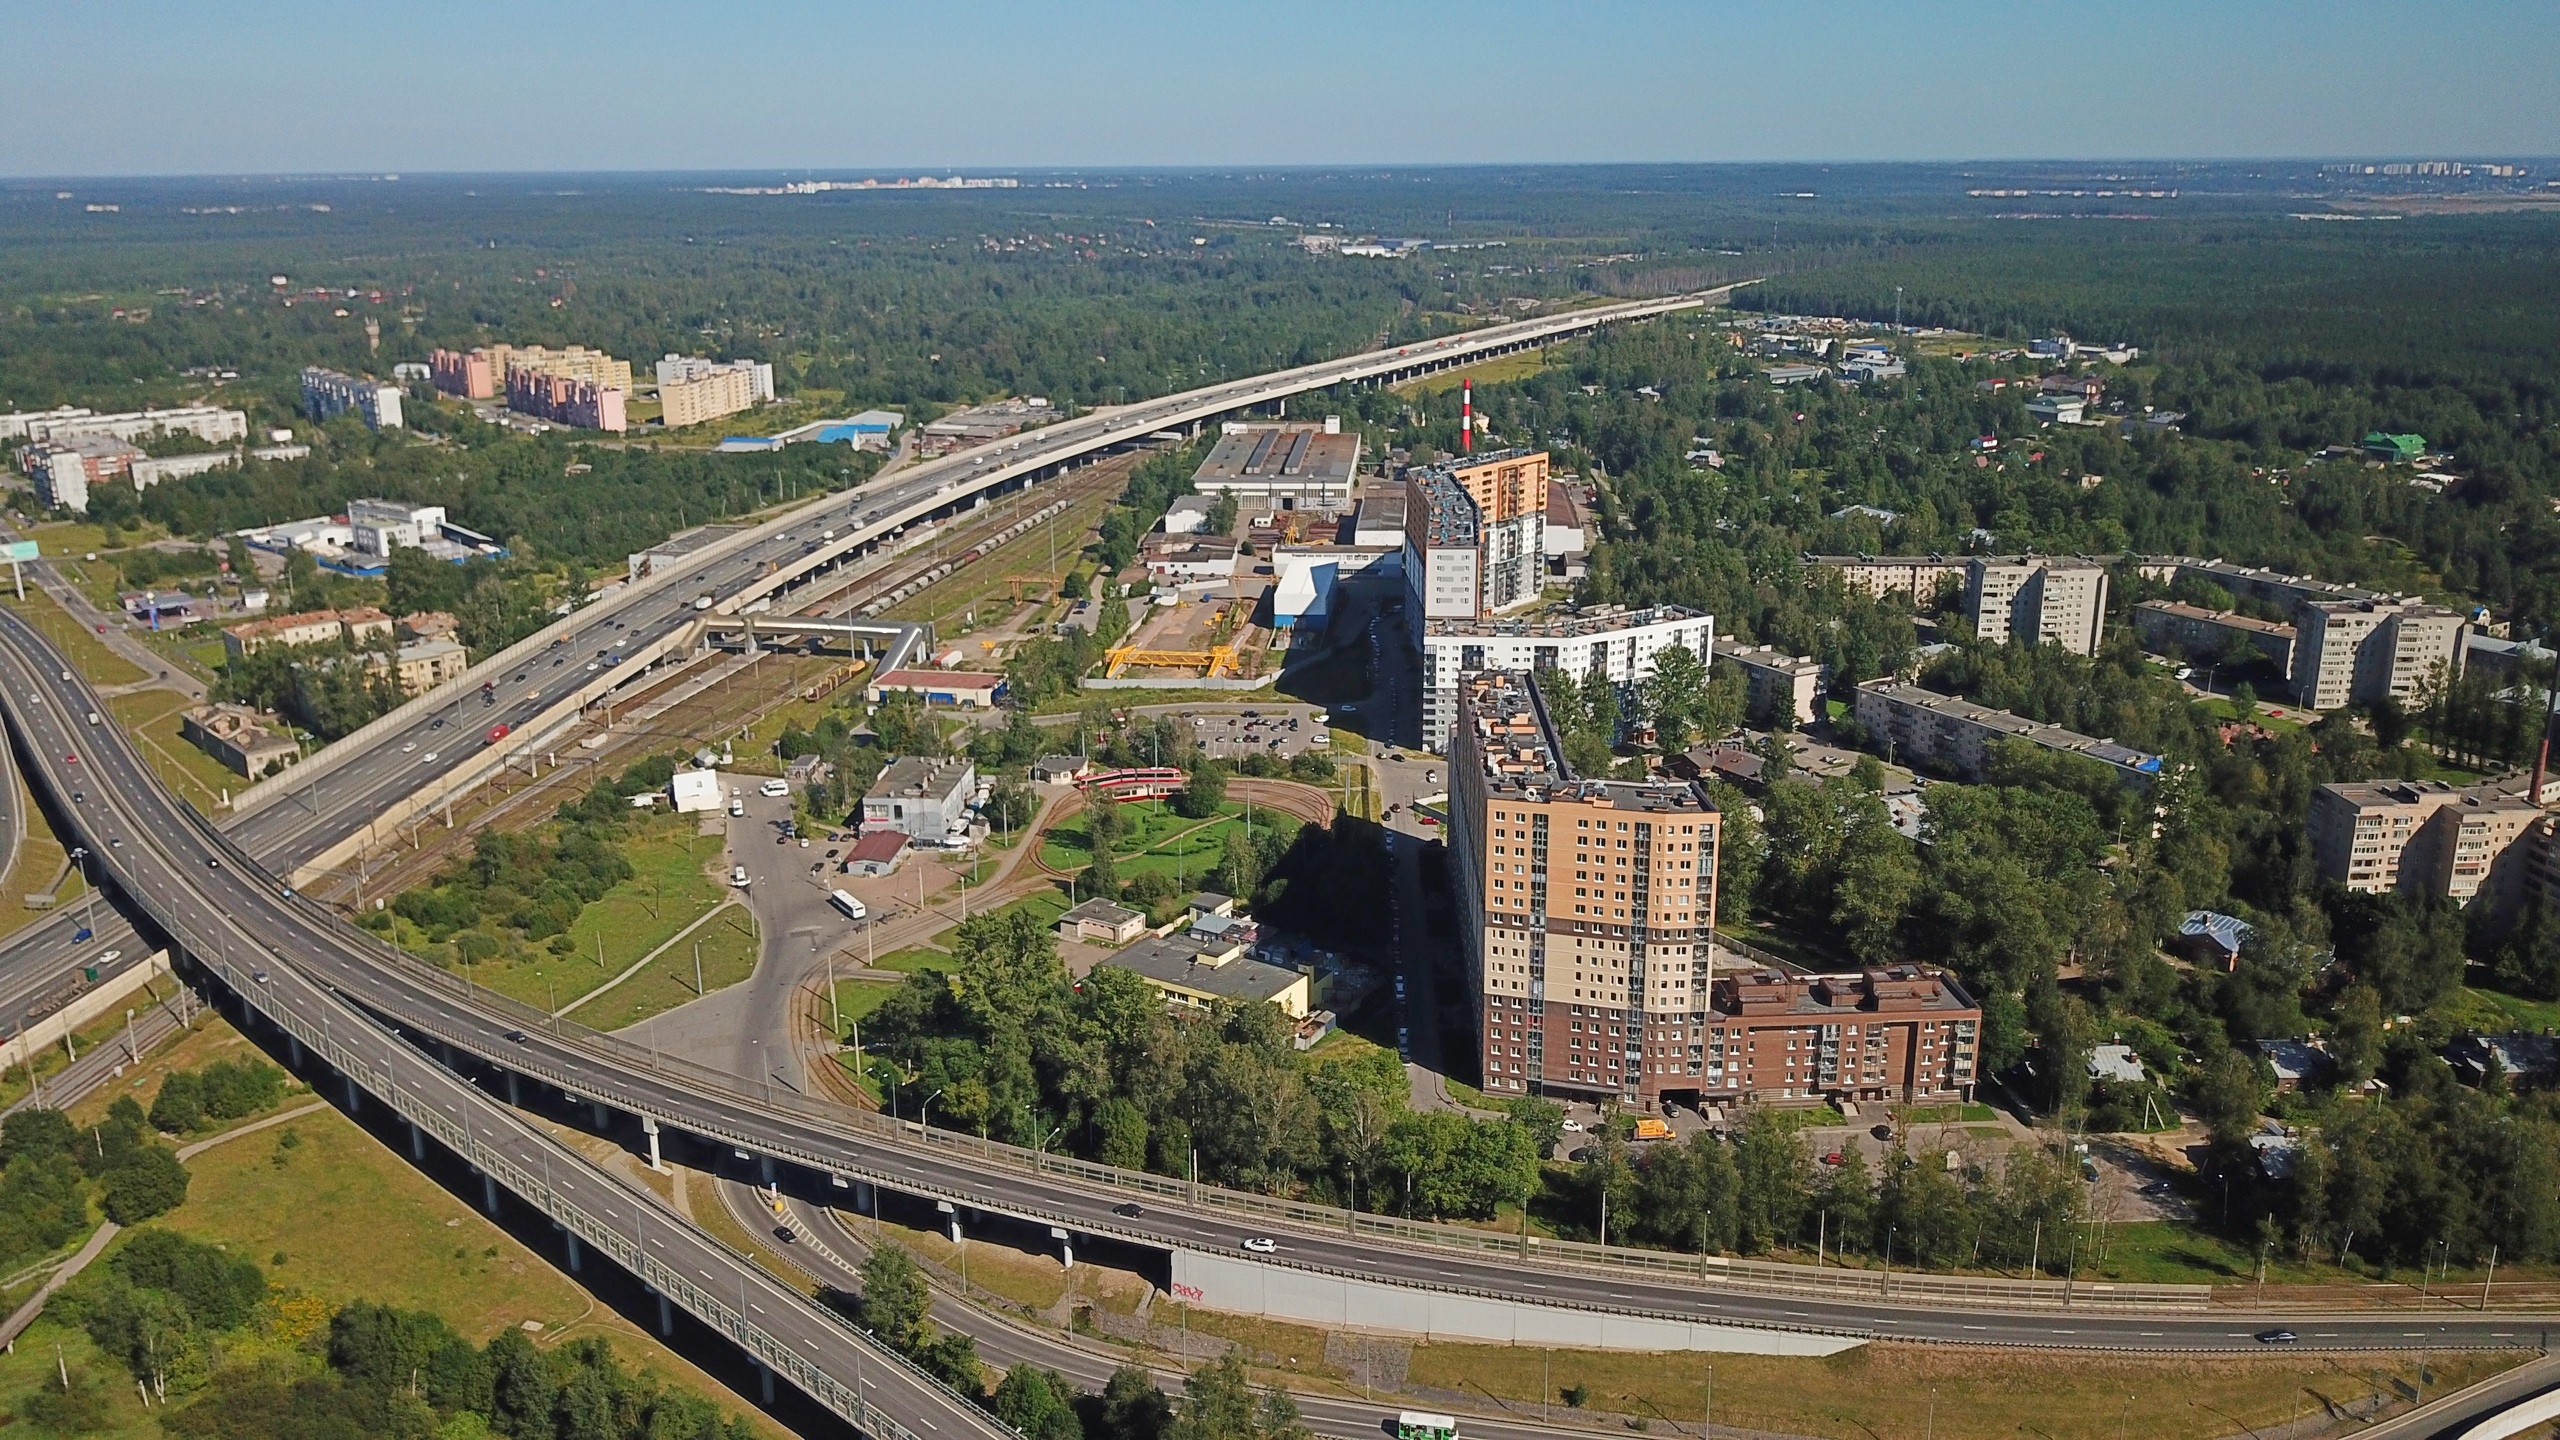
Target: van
[
  {"x": 774, "y": 789},
  {"x": 737, "y": 808},
  {"x": 93, "y": 717},
  {"x": 738, "y": 877},
  {"x": 851, "y": 907}
]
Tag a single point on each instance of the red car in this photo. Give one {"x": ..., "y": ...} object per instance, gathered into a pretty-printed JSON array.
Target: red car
[{"x": 497, "y": 733}]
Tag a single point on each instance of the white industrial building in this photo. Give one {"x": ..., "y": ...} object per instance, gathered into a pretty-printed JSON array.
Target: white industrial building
[{"x": 695, "y": 791}]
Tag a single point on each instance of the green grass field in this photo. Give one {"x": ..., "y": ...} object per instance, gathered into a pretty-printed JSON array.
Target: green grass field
[
  {"x": 79, "y": 644},
  {"x": 670, "y": 890},
  {"x": 728, "y": 947},
  {"x": 1158, "y": 840},
  {"x": 152, "y": 718},
  {"x": 334, "y": 1216}
]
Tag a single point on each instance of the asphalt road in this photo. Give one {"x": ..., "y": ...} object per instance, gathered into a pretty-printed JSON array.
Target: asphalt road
[{"x": 265, "y": 945}]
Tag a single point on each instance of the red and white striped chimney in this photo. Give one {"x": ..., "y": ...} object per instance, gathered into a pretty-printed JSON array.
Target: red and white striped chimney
[{"x": 1467, "y": 417}]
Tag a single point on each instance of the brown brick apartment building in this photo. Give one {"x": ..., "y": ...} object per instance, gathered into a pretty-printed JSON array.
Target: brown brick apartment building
[{"x": 1588, "y": 911}]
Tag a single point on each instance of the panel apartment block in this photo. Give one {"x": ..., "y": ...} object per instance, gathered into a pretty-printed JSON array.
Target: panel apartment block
[
  {"x": 2362, "y": 652},
  {"x": 2037, "y": 600},
  {"x": 1914, "y": 726},
  {"x": 2424, "y": 838},
  {"x": 2173, "y": 628}
]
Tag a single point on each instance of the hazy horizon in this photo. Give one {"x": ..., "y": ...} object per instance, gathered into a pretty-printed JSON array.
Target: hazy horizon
[{"x": 288, "y": 87}]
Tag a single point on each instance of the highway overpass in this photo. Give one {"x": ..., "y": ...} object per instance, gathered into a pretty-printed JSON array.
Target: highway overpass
[{"x": 357, "y": 791}]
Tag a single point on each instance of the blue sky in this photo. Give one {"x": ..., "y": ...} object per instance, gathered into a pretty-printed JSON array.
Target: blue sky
[{"x": 259, "y": 86}]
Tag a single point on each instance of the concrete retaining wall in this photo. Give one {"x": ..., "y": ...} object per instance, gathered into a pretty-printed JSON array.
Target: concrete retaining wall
[
  {"x": 107, "y": 996},
  {"x": 1345, "y": 1302}
]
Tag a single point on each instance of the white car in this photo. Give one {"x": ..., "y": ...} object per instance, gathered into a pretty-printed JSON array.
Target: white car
[
  {"x": 427, "y": 759},
  {"x": 1573, "y": 1127},
  {"x": 774, "y": 789},
  {"x": 409, "y": 749},
  {"x": 1261, "y": 1244}
]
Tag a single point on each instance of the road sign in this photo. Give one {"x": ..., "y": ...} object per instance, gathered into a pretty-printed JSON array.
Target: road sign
[{"x": 17, "y": 550}]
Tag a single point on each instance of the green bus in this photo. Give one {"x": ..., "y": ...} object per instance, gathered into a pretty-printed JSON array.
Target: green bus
[{"x": 1423, "y": 1425}]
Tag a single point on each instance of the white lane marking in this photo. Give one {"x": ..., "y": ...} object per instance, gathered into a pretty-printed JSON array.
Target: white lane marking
[{"x": 1977, "y": 1327}]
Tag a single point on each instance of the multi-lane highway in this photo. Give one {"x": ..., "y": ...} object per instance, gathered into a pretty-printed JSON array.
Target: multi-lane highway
[
  {"x": 238, "y": 925},
  {"x": 816, "y": 1144},
  {"x": 234, "y": 908},
  {"x": 332, "y": 799}
]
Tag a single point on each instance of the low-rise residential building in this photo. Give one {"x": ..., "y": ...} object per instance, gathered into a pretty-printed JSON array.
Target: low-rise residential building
[
  {"x": 1101, "y": 922},
  {"x": 2171, "y": 627},
  {"x": 1288, "y": 466},
  {"x": 327, "y": 393},
  {"x": 2208, "y": 937},
  {"x": 921, "y": 798},
  {"x": 2362, "y": 652},
  {"x": 1784, "y": 688},
  {"x": 428, "y": 625},
  {"x": 422, "y": 665},
  {"x": 1191, "y": 973},
  {"x": 360, "y": 626},
  {"x": 1915, "y": 726},
  {"x": 1616, "y": 643},
  {"x": 2038, "y": 600},
  {"x": 240, "y": 738},
  {"x": 962, "y": 688},
  {"x": 2395, "y": 449},
  {"x": 2424, "y": 838},
  {"x": 2057, "y": 409}
]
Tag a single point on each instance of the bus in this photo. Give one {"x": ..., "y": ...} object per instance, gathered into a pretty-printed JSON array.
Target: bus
[
  {"x": 851, "y": 907},
  {"x": 1423, "y": 1425}
]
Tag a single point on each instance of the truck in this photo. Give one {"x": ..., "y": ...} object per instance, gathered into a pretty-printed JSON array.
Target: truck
[
  {"x": 851, "y": 907},
  {"x": 1649, "y": 1127}
]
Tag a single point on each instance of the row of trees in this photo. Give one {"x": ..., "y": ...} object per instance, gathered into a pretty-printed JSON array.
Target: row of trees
[{"x": 1219, "y": 1401}]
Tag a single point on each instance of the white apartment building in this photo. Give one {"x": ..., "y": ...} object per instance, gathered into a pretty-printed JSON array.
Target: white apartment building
[
  {"x": 692, "y": 390},
  {"x": 1475, "y": 535},
  {"x": 1611, "y": 641},
  {"x": 208, "y": 423},
  {"x": 2361, "y": 652},
  {"x": 2037, "y": 599}
]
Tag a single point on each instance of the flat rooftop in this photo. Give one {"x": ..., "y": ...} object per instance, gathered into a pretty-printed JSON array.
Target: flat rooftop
[
  {"x": 1285, "y": 456},
  {"x": 1189, "y": 964}
]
